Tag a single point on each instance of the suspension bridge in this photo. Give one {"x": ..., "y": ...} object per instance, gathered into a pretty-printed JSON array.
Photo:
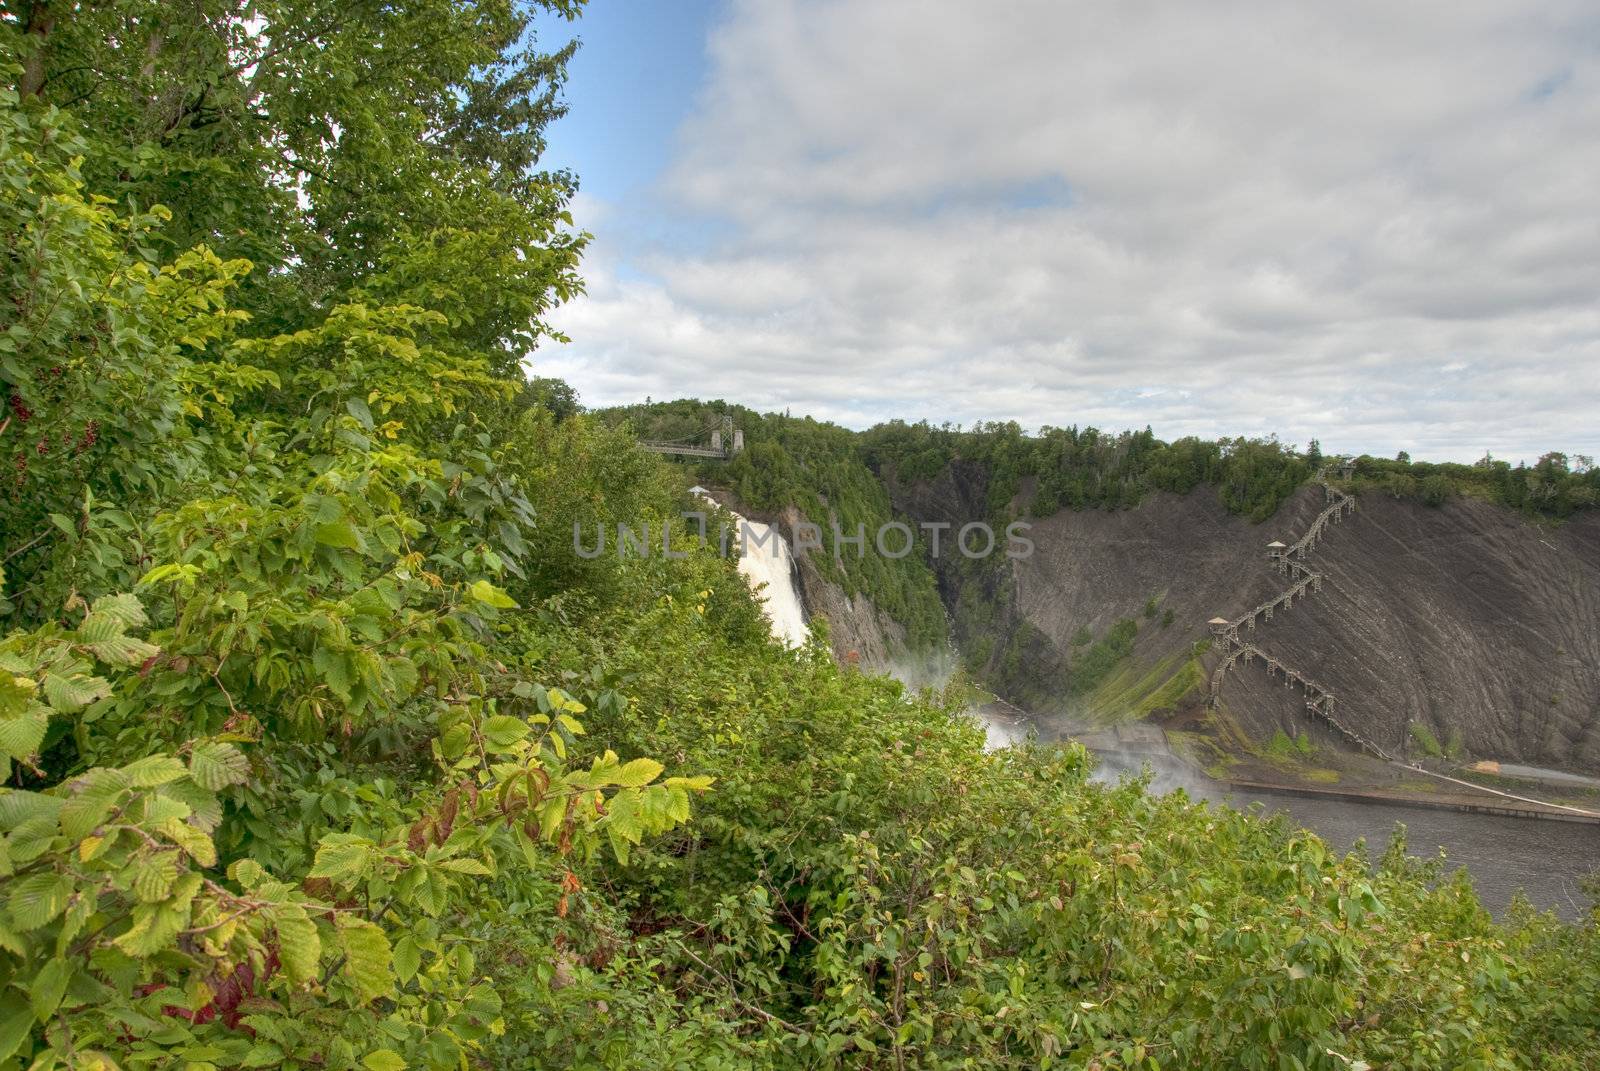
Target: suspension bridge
[{"x": 717, "y": 442}]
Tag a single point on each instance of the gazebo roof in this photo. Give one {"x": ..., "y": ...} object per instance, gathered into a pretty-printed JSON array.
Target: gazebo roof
[
  {"x": 1275, "y": 545},
  {"x": 1217, "y": 621}
]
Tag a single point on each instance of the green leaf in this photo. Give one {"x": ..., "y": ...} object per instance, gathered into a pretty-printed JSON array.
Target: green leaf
[
  {"x": 20, "y": 737},
  {"x": 71, "y": 694},
  {"x": 490, "y": 595},
  {"x": 217, "y": 765},
  {"x": 19, "y": 806},
  {"x": 38, "y": 898},
  {"x": 153, "y": 929},
  {"x": 339, "y": 534},
  {"x": 124, "y": 607},
  {"x": 153, "y": 770},
  {"x": 247, "y": 872},
  {"x": 299, "y": 947},
  {"x": 97, "y": 627},
  {"x": 384, "y": 1060},
  {"x": 183, "y": 574},
  {"x": 123, "y": 650},
  {"x": 503, "y": 732},
  {"x": 263, "y": 1054},
  {"x": 342, "y": 857},
  {"x": 48, "y": 986},
  {"x": 619, "y": 844},
  {"x": 357, "y": 407},
  {"x": 368, "y": 959},
  {"x": 335, "y": 669},
  {"x": 191, "y": 840},
  {"x": 407, "y": 958},
  {"x": 15, "y": 694},
  {"x": 551, "y": 812},
  {"x": 639, "y": 772},
  {"x": 16, "y": 1023},
  {"x": 698, "y": 783},
  {"x": 153, "y": 875}
]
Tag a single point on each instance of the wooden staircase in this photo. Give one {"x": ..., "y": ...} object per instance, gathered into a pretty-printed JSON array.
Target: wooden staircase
[{"x": 1319, "y": 701}]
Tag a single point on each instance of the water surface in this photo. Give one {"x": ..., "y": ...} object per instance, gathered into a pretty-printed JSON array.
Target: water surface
[{"x": 1547, "y": 860}]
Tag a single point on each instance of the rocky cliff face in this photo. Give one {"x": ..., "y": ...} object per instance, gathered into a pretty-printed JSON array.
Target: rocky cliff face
[
  {"x": 1467, "y": 618},
  {"x": 858, "y": 631}
]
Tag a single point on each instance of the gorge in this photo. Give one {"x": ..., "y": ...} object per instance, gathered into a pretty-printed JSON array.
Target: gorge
[{"x": 1453, "y": 633}]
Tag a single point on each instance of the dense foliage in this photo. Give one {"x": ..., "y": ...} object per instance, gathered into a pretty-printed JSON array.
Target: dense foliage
[
  {"x": 815, "y": 468},
  {"x": 322, "y": 750},
  {"x": 1555, "y": 486},
  {"x": 1072, "y": 468}
]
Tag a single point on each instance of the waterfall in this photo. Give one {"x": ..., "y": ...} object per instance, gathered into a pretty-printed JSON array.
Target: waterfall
[{"x": 768, "y": 567}]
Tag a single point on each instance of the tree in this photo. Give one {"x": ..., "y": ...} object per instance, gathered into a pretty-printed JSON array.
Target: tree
[
  {"x": 553, "y": 394},
  {"x": 1436, "y": 490}
]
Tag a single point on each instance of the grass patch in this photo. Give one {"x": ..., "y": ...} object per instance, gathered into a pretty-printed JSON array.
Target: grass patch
[
  {"x": 1423, "y": 737},
  {"x": 1285, "y": 747},
  {"x": 1131, "y": 693},
  {"x": 1204, "y": 751}
]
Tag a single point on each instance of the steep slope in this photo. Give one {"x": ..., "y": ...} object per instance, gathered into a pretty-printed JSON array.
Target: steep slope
[{"x": 1467, "y": 618}]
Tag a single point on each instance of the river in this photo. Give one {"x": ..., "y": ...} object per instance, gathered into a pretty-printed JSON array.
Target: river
[{"x": 1548, "y": 860}]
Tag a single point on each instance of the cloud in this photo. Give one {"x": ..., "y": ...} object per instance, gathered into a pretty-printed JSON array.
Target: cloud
[{"x": 1369, "y": 224}]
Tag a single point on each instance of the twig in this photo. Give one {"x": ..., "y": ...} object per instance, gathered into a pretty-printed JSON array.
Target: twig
[{"x": 734, "y": 990}]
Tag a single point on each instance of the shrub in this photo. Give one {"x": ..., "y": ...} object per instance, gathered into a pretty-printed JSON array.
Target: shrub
[{"x": 1423, "y": 737}]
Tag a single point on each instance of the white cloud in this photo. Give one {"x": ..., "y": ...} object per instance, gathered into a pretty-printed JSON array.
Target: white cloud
[{"x": 1374, "y": 224}]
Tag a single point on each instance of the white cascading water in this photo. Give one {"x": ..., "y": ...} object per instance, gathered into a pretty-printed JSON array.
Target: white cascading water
[{"x": 765, "y": 559}]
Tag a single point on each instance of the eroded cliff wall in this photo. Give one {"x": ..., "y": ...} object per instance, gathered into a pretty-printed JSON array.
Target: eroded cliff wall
[{"x": 1466, "y": 617}]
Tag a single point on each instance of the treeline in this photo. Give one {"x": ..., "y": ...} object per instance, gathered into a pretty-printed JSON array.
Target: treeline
[
  {"x": 1555, "y": 486},
  {"x": 1086, "y": 468}
]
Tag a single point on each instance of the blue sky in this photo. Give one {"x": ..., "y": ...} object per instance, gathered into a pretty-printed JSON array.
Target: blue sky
[
  {"x": 1367, "y": 225},
  {"x": 633, "y": 82}
]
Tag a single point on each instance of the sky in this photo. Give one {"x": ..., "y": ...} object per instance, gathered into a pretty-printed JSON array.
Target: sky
[{"x": 1372, "y": 224}]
